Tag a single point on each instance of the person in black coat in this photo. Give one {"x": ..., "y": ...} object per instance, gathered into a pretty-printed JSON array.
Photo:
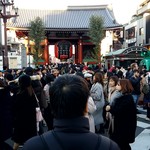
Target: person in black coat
[
  {"x": 37, "y": 87},
  {"x": 69, "y": 96},
  {"x": 123, "y": 121},
  {"x": 6, "y": 116},
  {"x": 25, "y": 113}
]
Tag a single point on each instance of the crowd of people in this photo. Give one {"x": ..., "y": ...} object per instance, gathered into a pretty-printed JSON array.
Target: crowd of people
[{"x": 78, "y": 104}]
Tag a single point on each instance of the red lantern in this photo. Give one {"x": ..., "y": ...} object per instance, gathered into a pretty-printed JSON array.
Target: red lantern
[{"x": 63, "y": 50}]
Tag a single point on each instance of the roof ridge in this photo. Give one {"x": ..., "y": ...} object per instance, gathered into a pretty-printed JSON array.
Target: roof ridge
[{"x": 84, "y": 7}]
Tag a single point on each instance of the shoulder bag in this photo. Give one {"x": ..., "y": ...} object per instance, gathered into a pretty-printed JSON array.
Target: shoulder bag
[{"x": 39, "y": 116}]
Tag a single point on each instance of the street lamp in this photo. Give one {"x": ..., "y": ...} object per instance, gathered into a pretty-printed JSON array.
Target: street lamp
[{"x": 7, "y": 11}]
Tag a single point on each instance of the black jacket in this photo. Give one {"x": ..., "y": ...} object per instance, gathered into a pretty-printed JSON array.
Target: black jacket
[
  {"x": 124, "y": 113},
  {"x": 6, "y": 114},
  {"x": 136, "y": 85},
  {"x": 24, "y": 117},
  {"x": 74, "y": 134}
]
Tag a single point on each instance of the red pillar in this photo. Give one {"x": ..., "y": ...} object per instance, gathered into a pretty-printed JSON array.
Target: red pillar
[
  {"x": 76, "y": 54},
  {"x": 46, "y": 52},
  {"x": 80, "y": 53}
]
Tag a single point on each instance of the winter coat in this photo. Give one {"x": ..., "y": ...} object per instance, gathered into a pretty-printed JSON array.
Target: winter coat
[
  {"x": 123, "y": 111},
  {"x": 98, "y": 97},
  {"x": 113, "y": 95},
  {"x": 6, "y": 114},
  {"x": 25, "y": 117},
  {"x": 73, "y": 134}
]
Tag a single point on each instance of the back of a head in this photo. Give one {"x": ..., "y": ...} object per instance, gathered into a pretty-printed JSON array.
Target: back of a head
[
  {"x": 49, "y": 78},
  {"x": 99, "y": 77},
  {"x": 24, "y": 81},
  {"x": 29, "y": 71},
  {"x": 9, "y": 76},
  {"x": 69, "y": 95},
  {"x": 126, "y": 86}
]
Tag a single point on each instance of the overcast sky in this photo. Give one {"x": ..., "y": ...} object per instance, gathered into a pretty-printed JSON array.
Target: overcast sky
[{"x": 123, "y": 9}]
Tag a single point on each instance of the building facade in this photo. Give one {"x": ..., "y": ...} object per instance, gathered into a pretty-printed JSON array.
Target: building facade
[
  {"x": 70, "y": 25},
  {"x": 136, "y": 39},
  {"x": 137, "y": 32}
]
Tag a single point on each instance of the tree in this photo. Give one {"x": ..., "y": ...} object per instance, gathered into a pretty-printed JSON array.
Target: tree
[
  {"x": 36, "y": 34},
  {"x": 96, "y": 34}
]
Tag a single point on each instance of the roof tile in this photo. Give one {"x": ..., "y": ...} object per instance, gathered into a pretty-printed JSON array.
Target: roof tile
[{"x": 70, "y": 18}]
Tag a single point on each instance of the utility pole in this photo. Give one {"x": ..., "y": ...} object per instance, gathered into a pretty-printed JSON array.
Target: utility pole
[{"x": 7, "y": 11}]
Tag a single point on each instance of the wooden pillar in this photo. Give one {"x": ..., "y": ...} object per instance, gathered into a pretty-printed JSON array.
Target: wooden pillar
[
  {"x": 80, "y": 53},
  {"x": 46, "y": 52}
]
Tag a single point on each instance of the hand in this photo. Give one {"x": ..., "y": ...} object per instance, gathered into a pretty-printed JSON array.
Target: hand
[
  {"x": 142, "y": 76},
  {"x": 16, "y": 146},
  {"x": 107, "y": 107}
]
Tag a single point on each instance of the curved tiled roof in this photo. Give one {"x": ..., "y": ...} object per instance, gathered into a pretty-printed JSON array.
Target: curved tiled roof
[{"x": 72, "y": 18}]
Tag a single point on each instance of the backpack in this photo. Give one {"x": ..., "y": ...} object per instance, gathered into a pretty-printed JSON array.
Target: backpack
[
  {"x": 146, "y": 91},
  {"x": 146, "y": 87}
]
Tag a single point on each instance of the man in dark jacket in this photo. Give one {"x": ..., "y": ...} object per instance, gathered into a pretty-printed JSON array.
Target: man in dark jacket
[
  {"x": 135, "y": 81},
  {"x": 69, "y": 95}
]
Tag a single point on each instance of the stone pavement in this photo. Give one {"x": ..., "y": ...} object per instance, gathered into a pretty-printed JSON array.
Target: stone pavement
[{"x": 142, "y": 141}]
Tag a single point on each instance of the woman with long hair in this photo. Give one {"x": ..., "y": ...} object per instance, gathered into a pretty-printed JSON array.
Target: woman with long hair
[
  {"x": 123, "y": 110},
  {"x": 24, "y": 113},
  {"x": 97, "y": 94}
]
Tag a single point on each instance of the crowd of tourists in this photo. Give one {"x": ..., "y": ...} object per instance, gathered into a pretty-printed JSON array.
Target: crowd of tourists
[{"x": 72, "y": 106}]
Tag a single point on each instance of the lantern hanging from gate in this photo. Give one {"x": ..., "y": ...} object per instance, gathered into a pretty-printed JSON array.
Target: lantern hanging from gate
[{"x": 63, "y": 50}]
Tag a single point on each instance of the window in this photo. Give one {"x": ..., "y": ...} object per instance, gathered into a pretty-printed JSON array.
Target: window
[{"x": 141, "y": 31}]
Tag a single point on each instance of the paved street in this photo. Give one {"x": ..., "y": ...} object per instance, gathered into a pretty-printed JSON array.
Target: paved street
[{"x": 142, "y": 141}]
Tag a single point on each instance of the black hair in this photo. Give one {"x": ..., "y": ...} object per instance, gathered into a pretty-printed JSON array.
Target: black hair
[
  {"x": 49, "y": 78},
  {"x": 24, "y": 81},
  {"x": 9, "y": 76},
  {"x": 69, "y": 96},
  {"x": 29, "y": 71}
]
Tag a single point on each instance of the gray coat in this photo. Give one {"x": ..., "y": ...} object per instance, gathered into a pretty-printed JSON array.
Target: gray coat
[
  {"x": 115, "y": 94},
  {"x": 98, "y": 96}
]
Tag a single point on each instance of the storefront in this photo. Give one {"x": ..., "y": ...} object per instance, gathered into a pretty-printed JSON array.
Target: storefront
[{"x": 124, "y": 57}]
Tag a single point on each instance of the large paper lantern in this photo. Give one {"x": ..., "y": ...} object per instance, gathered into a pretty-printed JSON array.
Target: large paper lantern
[{"x": 63, "y": 50}]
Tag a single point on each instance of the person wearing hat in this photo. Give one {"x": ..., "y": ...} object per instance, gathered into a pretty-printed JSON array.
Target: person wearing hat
[{"x": 88, "y": 78}]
